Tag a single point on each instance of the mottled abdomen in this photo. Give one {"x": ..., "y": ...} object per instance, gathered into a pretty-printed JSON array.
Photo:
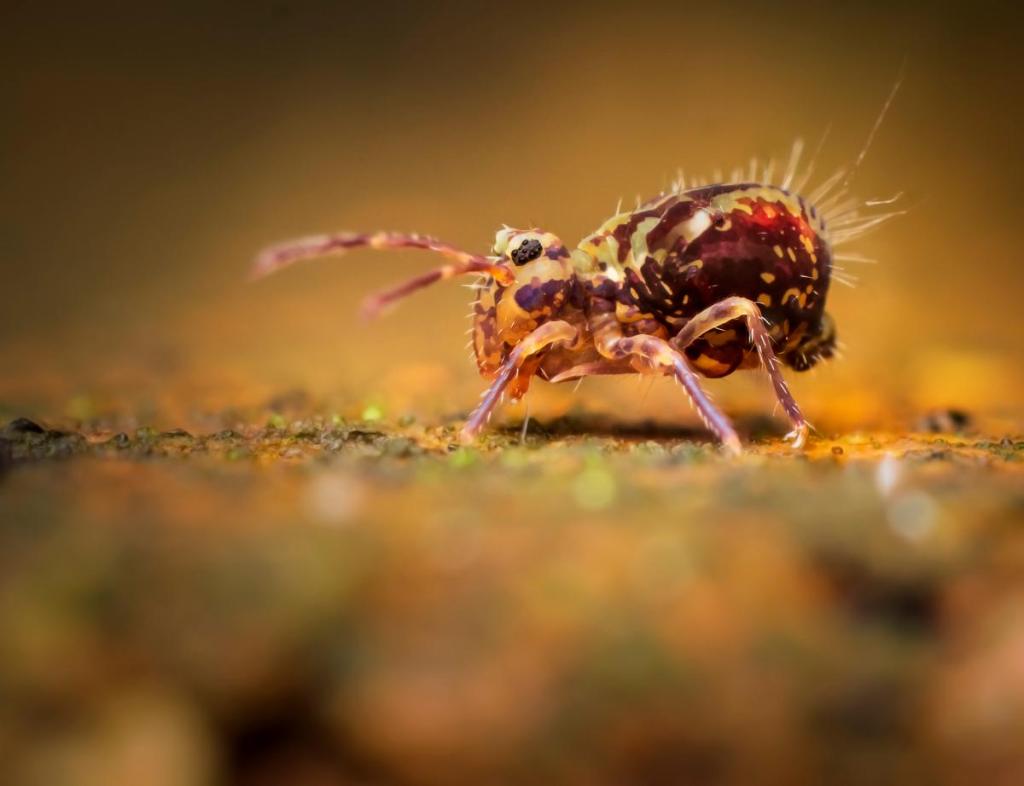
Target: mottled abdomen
[{"x": 764, "y": 244}]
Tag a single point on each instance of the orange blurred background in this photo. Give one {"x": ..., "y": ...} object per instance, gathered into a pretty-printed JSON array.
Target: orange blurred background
[{"x": 147, "y": 154}]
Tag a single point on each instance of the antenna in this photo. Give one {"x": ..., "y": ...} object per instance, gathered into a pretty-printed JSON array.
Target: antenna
[{"x": 878, "y": 122}]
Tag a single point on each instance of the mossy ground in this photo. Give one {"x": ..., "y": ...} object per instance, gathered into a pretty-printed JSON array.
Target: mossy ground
[{"x": 290, "y": 596}]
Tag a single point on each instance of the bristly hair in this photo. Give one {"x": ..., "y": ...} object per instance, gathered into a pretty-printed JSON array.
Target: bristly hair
[{"x": 846, "y": 217}]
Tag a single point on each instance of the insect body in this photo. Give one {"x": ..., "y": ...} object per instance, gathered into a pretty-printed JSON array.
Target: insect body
[{"x": 703, "y": 280}]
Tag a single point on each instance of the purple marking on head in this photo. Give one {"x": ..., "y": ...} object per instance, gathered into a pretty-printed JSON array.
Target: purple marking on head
[{"x": 537, "y": 295}]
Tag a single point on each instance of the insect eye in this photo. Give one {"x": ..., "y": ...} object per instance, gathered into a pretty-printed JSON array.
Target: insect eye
[{"x": 528, "y": 251}]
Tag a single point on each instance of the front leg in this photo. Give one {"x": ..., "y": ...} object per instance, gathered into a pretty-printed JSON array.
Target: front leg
[
  {"x": 540, "y": 339},
  {"x": 656, "y": 355},
  {"x": 740, "y": 308}
]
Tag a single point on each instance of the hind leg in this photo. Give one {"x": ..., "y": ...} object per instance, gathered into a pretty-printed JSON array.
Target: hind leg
[{"x": 740, "y": 308}]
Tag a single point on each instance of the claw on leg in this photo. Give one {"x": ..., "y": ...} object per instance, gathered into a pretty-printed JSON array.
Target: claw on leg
[
  {"x": 732, "y": 446},
  {"x": 798, "y": 436},
  {"x": 468, "y": 434}
]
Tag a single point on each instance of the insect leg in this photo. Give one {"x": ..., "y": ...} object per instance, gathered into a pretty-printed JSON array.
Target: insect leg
[
  {"x": 658, "y": 355},
  {"x": 594, "y": 368},
  {"x": 740, "y": 308},
  {"x": 540, "y": 339}
]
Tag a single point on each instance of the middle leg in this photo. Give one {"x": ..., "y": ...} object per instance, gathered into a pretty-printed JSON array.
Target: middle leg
[{"x": 652, "y": 353}]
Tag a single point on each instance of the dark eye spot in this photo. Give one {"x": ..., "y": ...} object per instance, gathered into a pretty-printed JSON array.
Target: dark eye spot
[
  {"x": 527, "y": 252},
  {"x": 719, "y": 221}
]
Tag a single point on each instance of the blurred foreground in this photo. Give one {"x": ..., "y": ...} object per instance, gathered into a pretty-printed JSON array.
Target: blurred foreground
[{"x": 296, "y": 597}]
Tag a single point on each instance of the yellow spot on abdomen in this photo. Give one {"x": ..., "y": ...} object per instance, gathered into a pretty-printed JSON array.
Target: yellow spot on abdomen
[
  {"x": 767, "y": 277},
  {"x": 764, "y": 299},
  {"x": 792, "y": 254},
  {"x": 718, "y": 338},
  {"x": 710, "y": 366},
  {"x": 627, "y": 314},
  {"x": 778, "y": 251}
]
